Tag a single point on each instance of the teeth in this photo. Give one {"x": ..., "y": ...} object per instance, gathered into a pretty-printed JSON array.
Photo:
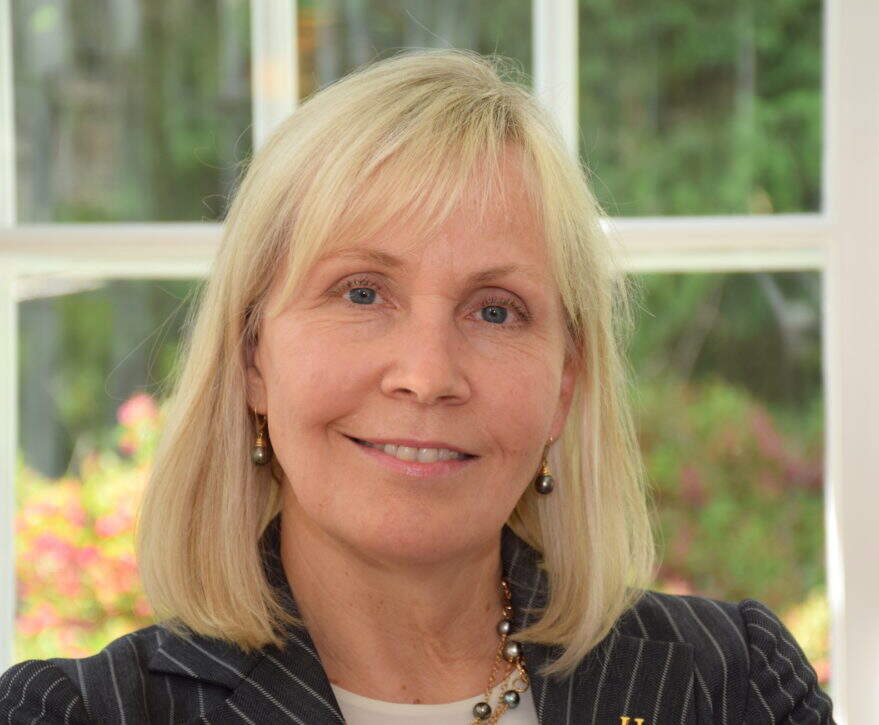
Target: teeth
[
  {"x": 428, "y": 455},
  {"x": 422, "y": 455}
]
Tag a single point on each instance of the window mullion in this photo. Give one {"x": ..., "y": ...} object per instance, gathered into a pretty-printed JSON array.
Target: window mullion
[
  {"x": 274, "y": 64},
  {"x": 8, "y": 346},
  {"x": 554, "y": 39},
  {"x": 851, "y": 350},
  {"x": 668, "y": 244}
]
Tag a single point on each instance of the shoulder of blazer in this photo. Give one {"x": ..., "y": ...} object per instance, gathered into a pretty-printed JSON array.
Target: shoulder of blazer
[
  {"x": 40, "y": 691},
  {"x": 783, "y": 685},
  {"x": 747, "y": 666},
  {"x": 140, "y": 677}
]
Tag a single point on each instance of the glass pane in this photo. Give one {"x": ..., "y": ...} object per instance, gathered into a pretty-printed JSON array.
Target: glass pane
[
  {"x": 702, "y": 108},
  {"x": 730, "y": 409},
  {"x": 94, "y": 363},
  {"x": 129, "y": 110},
  {"x": 336, "y": 36}
]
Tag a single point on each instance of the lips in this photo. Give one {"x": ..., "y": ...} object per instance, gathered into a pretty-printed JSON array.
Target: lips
[{"x": 433, "y": 463}]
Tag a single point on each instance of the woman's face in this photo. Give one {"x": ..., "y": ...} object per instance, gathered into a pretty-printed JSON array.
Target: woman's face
[{"x": 455, "y": 342}]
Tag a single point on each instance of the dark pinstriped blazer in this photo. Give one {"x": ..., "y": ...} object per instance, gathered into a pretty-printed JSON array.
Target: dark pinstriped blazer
[{"x": 670, "y": 659}]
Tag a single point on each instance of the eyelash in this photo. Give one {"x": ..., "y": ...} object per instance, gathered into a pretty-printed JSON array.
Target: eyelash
[{"x": 524, "y": 317}]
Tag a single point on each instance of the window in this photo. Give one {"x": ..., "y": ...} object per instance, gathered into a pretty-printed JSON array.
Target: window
[{"x": 122, "y": 133}]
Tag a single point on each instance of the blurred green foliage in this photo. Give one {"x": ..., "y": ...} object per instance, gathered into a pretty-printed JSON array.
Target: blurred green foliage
[
  {"x": 727, "y": 392},
  {"x": 759, "y": 330},
  {"x": 706, "y": 107},
  {"x": 82, "y": 354},
  {"x": 335, "y": 38},
  {"x": 136, "y": 112},
  {"x": 740, "y": 504}
]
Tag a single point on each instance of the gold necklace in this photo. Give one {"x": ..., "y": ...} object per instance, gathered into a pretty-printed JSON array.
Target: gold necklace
[{"x": 511, "y": 652}]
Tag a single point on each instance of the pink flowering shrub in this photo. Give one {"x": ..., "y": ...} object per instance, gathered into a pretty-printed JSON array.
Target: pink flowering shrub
[{"x": 77, "y": 582}]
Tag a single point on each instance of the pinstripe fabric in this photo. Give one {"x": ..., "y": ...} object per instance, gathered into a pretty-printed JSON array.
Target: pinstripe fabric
[{"x": 676, "y": 660}]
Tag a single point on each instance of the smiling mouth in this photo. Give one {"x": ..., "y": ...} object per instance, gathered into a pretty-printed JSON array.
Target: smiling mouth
[{"x": 415, "y": 455}]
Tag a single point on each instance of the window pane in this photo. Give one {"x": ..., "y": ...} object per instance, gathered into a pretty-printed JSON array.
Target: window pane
[
  {"x": 702, "y": 108},
  {"x": 95, "y": 360},
  {"x": 730, "y": 410},
  {"x": 336, "y": 36},
  {"x": 132, "y": 110}
]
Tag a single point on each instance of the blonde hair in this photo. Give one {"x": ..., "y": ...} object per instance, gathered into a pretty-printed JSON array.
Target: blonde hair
[{"x": 397, "y": 140}]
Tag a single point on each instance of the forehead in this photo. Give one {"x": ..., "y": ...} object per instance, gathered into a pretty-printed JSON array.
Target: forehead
[
  {"x": 496, "y": 224},
  {"x": 471, "y": 271}
]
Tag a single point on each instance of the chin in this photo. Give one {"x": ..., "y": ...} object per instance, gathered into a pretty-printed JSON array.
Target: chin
[{"x": 414, "y": 542}]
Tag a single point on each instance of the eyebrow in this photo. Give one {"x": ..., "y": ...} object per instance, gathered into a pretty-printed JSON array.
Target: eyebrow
[{"x": 384, "y": 259}]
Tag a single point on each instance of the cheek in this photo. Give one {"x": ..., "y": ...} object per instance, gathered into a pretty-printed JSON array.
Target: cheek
[
  {"x": 312, "y": 380},
  {"x": 311, "y": 384},
  {"x": 521, "y": 395}
]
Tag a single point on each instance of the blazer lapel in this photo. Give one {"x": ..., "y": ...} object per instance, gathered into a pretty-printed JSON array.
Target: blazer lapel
[
  {"x": 624, "y": 676},
  {"x": 269, "y": 686}
]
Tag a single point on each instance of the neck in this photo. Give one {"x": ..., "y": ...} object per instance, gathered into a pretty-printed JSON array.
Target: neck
[{"x": 400, "y": 632}]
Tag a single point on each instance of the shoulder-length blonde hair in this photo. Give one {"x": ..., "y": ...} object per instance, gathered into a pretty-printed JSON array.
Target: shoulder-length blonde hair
[{"x": 397, "y": 140}]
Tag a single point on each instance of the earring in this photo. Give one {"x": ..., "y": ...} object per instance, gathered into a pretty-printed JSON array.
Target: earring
[
  {"x": 544, "y": 482},
  {"x": 260, "y": 454}
]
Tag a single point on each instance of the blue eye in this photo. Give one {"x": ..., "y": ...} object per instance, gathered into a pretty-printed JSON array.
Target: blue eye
[
  {"x": 358, "y": 291},
  {"x": 494, "y": 313},
  {"x": 496, "y": 310},
  {"x": 362, "y": 295}
]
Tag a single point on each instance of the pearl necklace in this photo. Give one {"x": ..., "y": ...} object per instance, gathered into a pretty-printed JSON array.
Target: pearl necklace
[{"x": 511, "y": 652}]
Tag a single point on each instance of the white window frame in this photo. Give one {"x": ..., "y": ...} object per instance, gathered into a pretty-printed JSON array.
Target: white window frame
[{"x": 840, "y": 241}]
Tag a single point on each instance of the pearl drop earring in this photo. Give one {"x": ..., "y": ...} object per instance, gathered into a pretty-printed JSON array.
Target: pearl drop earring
[
  {"x": 544, "y": 483},
  {"x": 260, "y": 453}
]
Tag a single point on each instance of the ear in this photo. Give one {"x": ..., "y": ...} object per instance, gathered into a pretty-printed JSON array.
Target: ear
[
  {"x": 566, "y": 395},
  {"x": 256, "y": 387}
]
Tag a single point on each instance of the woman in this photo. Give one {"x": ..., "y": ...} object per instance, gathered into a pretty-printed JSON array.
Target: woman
[{"x": 399, "y": 481}]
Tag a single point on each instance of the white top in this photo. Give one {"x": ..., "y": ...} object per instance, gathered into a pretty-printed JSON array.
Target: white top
[{"x": 360, "y": 710}]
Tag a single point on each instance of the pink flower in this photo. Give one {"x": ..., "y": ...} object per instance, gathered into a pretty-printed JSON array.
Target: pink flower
[
  {"x": 112, "y": 524},
  {"x": 69, "y": 585},
  {"x": 43, "y": 616},
  {"x": 86, "y": 555},
  {"x": 128, "y": 444},
  {"x": 822, "y": 669},
  {"x": 692, "y": 488},
  {"x": 806, "y": 474},
  {"x": 74, "y": 513},
  {"x": 677, "y": 585},
  {"x": 137, "y": 408},
  {"x": 47, "y": 544},
  {"x": 769, "y": 441},
  {"x": 683, "y": 539}
]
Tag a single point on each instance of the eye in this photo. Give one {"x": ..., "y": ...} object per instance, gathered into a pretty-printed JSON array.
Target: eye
[
  {"x": 493, "y": 309},
  {"x": 363, "y": 291}
]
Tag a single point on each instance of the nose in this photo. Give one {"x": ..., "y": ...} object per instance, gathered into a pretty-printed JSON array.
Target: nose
[{"x": 427, "y": 362}]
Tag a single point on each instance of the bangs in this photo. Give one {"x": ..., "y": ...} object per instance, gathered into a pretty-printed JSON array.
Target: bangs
[{"x": 411, "y": 178}]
